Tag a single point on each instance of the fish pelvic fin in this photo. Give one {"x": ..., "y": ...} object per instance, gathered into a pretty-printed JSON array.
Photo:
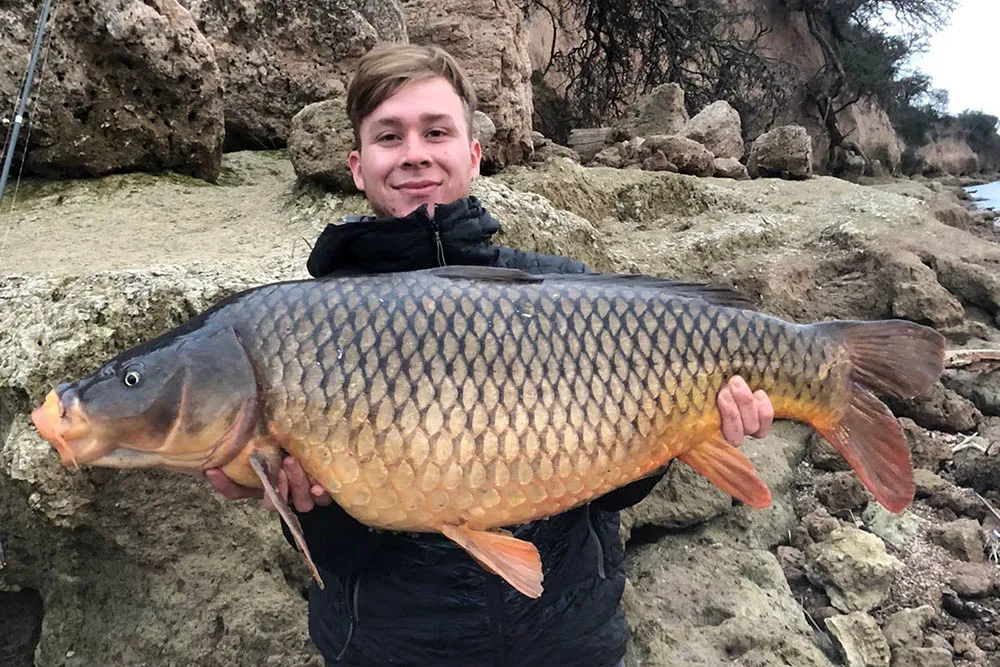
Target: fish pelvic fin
[
  {"x": 729, "y": 469},
  {"x": 514, "y": 560},
  {"x": 896, "y": 358},
  {"x": 260, "y": 465}
]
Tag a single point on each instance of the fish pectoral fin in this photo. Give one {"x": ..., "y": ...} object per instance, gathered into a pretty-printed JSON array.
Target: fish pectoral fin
[
  {"x": 729, "y": 469},
  {"x": 258, "y": 461},
  {"x": 514, "y": 560}
]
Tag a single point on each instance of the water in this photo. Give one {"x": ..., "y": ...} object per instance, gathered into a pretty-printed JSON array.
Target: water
[{"x": 986, "y": 196}]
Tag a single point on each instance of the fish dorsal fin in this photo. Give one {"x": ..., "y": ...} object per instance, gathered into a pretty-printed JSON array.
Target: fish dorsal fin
[
  {"x": 714, "y": 294},
  {"x": 484, "y": 273}
]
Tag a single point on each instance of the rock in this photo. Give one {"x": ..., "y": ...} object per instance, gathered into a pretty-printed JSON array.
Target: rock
[
  {"x": 961, "y": 501},
  {"x": 588, "y": 142},
  {"x": 729, "y": 167},
  {"x": 841, "y": 491},
  {"x": 927, "y": 451},
  {"x": 910, "y": 656},
  {"x": 965, "y": 646},
  {"x": 717, "y": 127},
  {"x": 906, "y": 626},
  {"x": 550, "y": 150},
  {"x": 319, "y": 142},
  {"x": 662, "y": 111},
  {"x": 822, "y": 455},
  {"x": 683, "y": 498},
  {"x": 689, "y": 156},
  {"x": 792, "y": 563},
  {"x": 896, "y": 529},
  {"x": 962, "y": 538},
  {"x": 847, "y": 162},
  {"x": 859, "y": 640},
  {"x": 485, "y": 130},
  {"x": 928, "y": 483},
  {"x": 853, "y": 568},
  {"x": 276, "y": 62},
  {"x": 127, "y": 87},
  {"x": 820, "y": 524},
  {"x": 784, "y": 152},
  {"x": 711, "y": 604},
  {"x": 974, "y": 580},
  {"x": 978, "y": 470},
  {"x": 488, "y": 38},
  {"x": 919, "y": 296},
  {"x": 939, "y": 409},
  {"x": 613, "y": 156},
  {"x": 983, "y": 389},
  {"x": 658, "y": 162}
]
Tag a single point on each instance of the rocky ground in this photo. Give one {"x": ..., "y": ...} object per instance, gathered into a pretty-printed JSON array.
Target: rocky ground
[{"x": 111, "y": 567}]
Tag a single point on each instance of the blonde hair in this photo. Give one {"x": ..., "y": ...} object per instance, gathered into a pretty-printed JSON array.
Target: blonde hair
[{"x": 389, "y": 66}]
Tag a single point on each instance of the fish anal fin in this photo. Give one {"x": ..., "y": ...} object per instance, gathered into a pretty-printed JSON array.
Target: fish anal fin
[
  {"x": 871, "y": 440},
  {"x": 259, "y": 463},
  {"x": 729, "y": 469},
  {"x": 514, "y": 560}
]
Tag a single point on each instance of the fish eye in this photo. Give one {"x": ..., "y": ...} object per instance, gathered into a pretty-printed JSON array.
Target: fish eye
[{"x": 131, "y": 378}]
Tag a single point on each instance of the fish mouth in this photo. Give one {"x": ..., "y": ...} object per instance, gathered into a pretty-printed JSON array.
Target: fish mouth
[{"x": 61, "y": 421}]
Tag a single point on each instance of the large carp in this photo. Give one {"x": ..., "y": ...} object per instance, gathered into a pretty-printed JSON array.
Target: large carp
[{"x": 459, "y": 400}]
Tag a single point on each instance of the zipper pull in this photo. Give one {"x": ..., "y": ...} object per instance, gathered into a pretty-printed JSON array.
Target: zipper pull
[{"x": 438, "y": 246}]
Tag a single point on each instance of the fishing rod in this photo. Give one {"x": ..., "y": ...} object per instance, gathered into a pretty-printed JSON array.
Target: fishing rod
[{"x": 19, "y": 116}]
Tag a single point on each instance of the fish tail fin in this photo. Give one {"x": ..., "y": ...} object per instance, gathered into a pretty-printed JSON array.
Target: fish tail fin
[
  {"x": 729, "y": 469},
  {"x": 895, "y": 358}
]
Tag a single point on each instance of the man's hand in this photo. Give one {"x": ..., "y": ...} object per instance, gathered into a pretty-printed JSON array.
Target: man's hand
[
  {"x": 744, "y": 412},
  {"x": 292, "y": 480}
]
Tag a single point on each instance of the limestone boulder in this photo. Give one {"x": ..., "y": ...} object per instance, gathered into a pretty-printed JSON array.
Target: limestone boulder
[
  {"x": 487, "y": 37},
  {"x": 124, "y": 86},
  {"x": 784, "y": 152},
  {"x": 717, "y": 127},
  {"x": 688, "y": 155},
  {"x": 662, "y": 111},
  {"x": 277, "y": 57},
  {"x": 319, "y": 142},
  {"x": 853, "y": 567}
]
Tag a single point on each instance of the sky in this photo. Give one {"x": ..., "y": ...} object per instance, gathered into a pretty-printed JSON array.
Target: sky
[{"x": 964, "y": 57}]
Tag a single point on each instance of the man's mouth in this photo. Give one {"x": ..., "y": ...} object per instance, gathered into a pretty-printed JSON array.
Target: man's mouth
[{"x": 417, "y": 187}]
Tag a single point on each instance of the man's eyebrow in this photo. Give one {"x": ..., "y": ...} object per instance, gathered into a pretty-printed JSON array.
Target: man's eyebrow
[{"x": 426, "y": 118}]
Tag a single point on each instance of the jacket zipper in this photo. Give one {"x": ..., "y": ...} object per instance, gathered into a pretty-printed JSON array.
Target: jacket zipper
[{"x": 438, "y": 246}]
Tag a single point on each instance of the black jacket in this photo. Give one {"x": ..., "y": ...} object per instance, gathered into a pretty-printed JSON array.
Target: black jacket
[{"x": 401, "y": 599}]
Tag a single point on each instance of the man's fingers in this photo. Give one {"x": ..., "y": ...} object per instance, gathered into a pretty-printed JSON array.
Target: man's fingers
[
  {"x": 228, "y": 488},
  {"x": 732, "y": 425},
  {"x": 750, "y": 423},
  {"x": 765, "y": 413},
  {"x": 320, "y": 496},
  {"x": 298, "y": 485}
]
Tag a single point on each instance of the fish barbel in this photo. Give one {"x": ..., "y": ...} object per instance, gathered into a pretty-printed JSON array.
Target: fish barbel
[{"x": 463, "y": 399}]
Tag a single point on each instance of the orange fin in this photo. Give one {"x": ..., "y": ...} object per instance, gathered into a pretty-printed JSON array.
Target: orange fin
[
  {"x": 516, "y": 561},
  {"x": 895, "y": 358},
  {"x": 871, "y": 440},
  {"x": 729, "y": 469},
  {"x": 260, "y": 466}
]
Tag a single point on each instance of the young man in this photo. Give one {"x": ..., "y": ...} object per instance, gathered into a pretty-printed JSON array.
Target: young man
[{"x": 401, "y": 599}]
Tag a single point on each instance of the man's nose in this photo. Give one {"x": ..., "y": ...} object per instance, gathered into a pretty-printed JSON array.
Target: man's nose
[{"x": 417, "y": 152}]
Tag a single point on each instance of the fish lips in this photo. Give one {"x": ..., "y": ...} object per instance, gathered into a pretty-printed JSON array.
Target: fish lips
[{"x": 61, "y": 421}]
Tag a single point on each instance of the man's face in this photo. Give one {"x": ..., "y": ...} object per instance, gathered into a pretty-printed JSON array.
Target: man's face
[{"x": 416, "y": 149}]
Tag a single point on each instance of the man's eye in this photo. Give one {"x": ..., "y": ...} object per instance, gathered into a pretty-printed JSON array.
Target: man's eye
[
  {"x": 387, "y": 138},
  {"x": 437, "y": 133}
]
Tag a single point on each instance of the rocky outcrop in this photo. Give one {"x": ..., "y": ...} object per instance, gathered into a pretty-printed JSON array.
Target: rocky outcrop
[
  {"x": 487, "y": 37},
  {"x": 124, "y": 86},
  {"x": 277, "y": 57},
  {"x": 319, "y": 142},
  {"x": 946, "y": 155}
]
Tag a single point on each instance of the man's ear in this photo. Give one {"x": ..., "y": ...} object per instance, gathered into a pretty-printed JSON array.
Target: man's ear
[
  {"x": 477, "y": 156},
  {"x": 354, "y": 162}
]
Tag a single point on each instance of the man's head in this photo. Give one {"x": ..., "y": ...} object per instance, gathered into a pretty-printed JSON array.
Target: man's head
[{"x": 411, "y": 108}]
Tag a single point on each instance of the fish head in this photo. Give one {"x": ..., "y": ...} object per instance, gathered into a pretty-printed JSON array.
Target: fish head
[{"x": 187, "y": 404}]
